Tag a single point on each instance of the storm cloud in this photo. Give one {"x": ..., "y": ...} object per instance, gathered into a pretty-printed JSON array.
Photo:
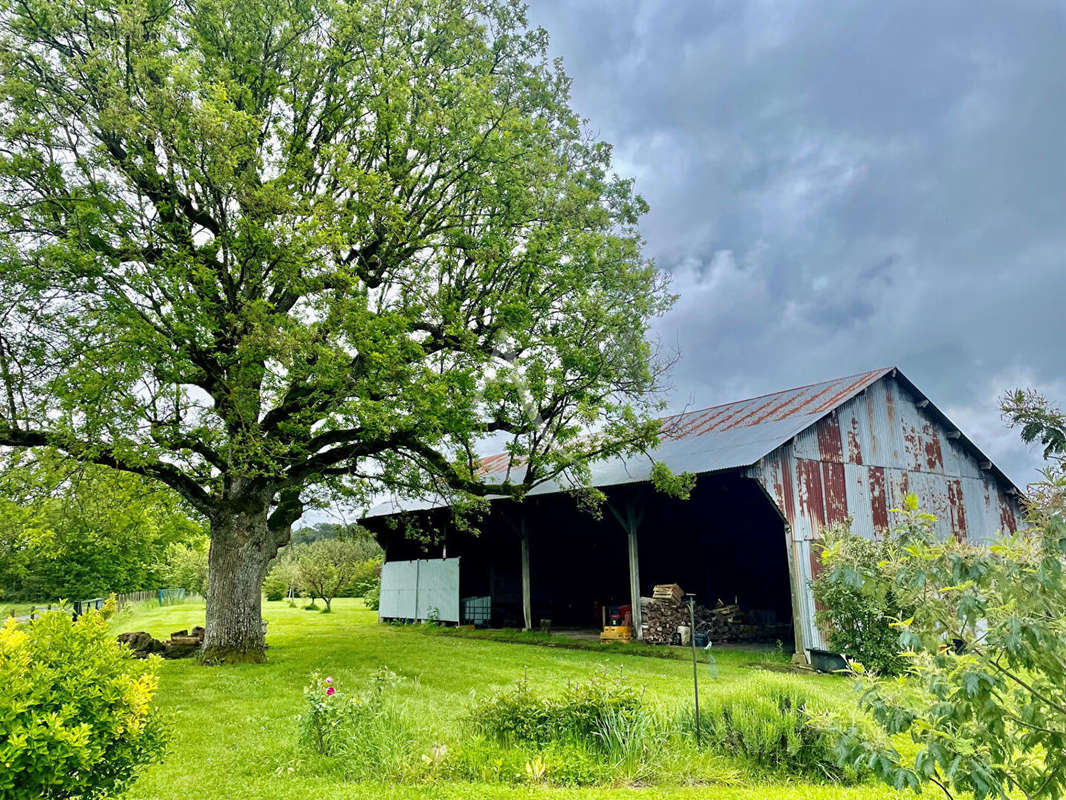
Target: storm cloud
[{"x": 842, "y": 186}]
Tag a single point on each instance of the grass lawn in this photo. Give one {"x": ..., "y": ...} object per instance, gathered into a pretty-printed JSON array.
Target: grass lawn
[
  {"x": 19, "y": 609},
  {"x": 235, "y": 727}
]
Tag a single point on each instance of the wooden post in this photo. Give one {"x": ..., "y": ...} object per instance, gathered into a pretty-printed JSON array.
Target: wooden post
[{"x": 527, "y": 602}]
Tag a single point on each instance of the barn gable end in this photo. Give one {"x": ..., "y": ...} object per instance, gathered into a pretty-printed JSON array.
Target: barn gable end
[{"x": 861, "y": 460}]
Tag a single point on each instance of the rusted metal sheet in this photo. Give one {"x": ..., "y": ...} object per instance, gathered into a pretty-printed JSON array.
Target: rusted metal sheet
[
  {"x": 835, "y": 492},
  {"x": 863, "y": 460},
  {"x": 805, "y": 402}
]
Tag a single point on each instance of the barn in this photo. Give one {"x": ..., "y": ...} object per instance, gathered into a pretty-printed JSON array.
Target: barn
[{"x": 771, "y": 472}]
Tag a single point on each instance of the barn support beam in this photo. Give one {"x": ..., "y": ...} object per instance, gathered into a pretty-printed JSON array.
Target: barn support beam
[
  {"x": 527, "y": 593},
  {"x": 520, "y": 528},
  {"x": 629, "y": 518}
]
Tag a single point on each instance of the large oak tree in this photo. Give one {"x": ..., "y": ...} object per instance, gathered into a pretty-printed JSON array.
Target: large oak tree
[{"x": 260, "y": 250}]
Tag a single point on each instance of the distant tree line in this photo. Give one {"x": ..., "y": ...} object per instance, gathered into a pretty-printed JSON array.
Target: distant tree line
[
  {"x": 73, "y": 531},
  {"x": 327, "y": 561}
]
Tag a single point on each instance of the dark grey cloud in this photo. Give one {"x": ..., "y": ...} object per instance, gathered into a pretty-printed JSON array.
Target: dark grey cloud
[{"x": 842, "y": 186}]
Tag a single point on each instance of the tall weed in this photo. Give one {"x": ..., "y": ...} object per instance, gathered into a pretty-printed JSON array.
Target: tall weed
[
  {"x": 579, "y": 713},
  {"x": 367, "y": 730},
  {"x": 776, "y": 724}
]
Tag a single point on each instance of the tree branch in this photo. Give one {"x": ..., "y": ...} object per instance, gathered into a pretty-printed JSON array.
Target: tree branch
[{"x": 105, "y": 456}]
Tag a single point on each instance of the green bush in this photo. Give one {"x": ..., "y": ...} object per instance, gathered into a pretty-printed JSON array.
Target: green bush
[
  {"x": 365, "y": 578},
  {"x": 75, "y": 716},
  {"x": 773, "y": 722},
  {"x": 857, "y": 615},
  {"x": 372, "y": 598},
  {"x": 367, "y": 730},
  {"x": 579, "y": 713}
]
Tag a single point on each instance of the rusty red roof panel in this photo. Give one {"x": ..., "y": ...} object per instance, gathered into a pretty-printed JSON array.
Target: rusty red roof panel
[
  {"x": 814, "y": 400},
  {"x": 817, "y": 398}
]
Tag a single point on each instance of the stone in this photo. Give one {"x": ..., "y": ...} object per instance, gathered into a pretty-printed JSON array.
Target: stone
[
  {"x": 141, "y": 643},
  {"x": 173, "y": 650}
]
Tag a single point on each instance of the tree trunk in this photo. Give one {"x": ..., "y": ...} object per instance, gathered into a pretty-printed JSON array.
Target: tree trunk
[{"x": 241, "y": 548}]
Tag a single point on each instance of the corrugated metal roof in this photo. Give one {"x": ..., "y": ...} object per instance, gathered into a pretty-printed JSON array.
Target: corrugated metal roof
[{"x": 710, "y": 440}]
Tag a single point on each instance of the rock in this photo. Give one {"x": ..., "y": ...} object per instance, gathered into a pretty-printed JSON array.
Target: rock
[
  {"x": 182, "y": 632},
  {"x": 198, "y": 632},
  {"x": 141, "y": 643},
  {"x": 173, "y": 650}
]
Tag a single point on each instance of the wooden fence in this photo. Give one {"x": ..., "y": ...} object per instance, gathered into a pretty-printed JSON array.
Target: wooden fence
[{"x": 163, "y": 597}]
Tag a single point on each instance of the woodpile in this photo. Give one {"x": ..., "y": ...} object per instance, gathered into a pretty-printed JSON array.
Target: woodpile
[
  {"x": 668, "y": 591},
  {"x": 661, "y": 617}
]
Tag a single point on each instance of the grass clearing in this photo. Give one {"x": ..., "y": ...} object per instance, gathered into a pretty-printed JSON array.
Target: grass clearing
[
  {"x": 11, "y": 609},
  {"x": 235, "y": 728}
]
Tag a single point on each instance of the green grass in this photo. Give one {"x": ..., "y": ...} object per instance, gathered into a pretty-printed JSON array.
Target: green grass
[
  {"x": 634, "y": 648},
  {"x": 235, "y": 727},
  {"x": 18, "y": 609}
]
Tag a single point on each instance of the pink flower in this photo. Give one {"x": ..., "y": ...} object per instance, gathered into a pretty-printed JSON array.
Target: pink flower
[
  {"x": 329, "y": 679},
  {"x": 330, "y": 690}
]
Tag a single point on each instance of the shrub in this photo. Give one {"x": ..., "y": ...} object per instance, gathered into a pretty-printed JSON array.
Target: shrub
[
  {"x": 366, "y": 575},
  {"x": 580, "y": 713},
  {"x": 774, "y": 722},
  {"x": 984, "y": 705},
  {"x": 75, "y": 709},
  {"x": 858, "y": 615},
  {"x": 367, "y": 729},
  {"x": 283, "y": 576},
  {"x": 372, "y": 598}
]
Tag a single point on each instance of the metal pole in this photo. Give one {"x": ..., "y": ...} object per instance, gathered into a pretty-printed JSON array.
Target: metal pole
[{"x": 695, "y": 674}]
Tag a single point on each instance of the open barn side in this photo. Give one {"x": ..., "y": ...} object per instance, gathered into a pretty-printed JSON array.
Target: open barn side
[{"x": 726, "y": 544}]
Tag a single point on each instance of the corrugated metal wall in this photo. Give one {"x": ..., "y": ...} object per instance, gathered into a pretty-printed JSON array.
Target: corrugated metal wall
[{"x": 861, "y": 461}]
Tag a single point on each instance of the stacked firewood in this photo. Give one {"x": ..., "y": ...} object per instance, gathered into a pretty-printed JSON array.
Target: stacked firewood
[{"x": 661, "y": 617}]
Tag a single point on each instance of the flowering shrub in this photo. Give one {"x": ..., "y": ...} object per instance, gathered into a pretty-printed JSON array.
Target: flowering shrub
[
  {"x": 75, "y": 717},
  {"x": 325, "y": 724},
  {"x": 366, "y": 728}
]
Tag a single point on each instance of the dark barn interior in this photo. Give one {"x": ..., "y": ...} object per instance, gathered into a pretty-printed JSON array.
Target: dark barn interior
[{"x": 725, "y": 543}]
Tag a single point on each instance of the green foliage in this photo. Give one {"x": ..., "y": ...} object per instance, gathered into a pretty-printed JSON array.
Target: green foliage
[
  {"x": 1042, "y": 422},
  {"x": 75, "y": 531},
  {"x": 266, "y": 252},
  {"x": 985, "y": 700},
  {"x": 580, "y": 712},
  {"x": 558, "y": 763},
  {"x": 366, "y": 729},
  {"x": 185, "y": 566},
  {"x": 75, "y": 709},
  {"x": 325, "y": 566},
  {"x": 590, "y": 731},
  {"x": 283, "y": 579},
  {"x": 675, "y": 485},
  {"x": 365, "y": 576},
  {"x": 372, "y": 598},
  {"x": 777, "y": 724},
  {"x": 858, "y": 614}
]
